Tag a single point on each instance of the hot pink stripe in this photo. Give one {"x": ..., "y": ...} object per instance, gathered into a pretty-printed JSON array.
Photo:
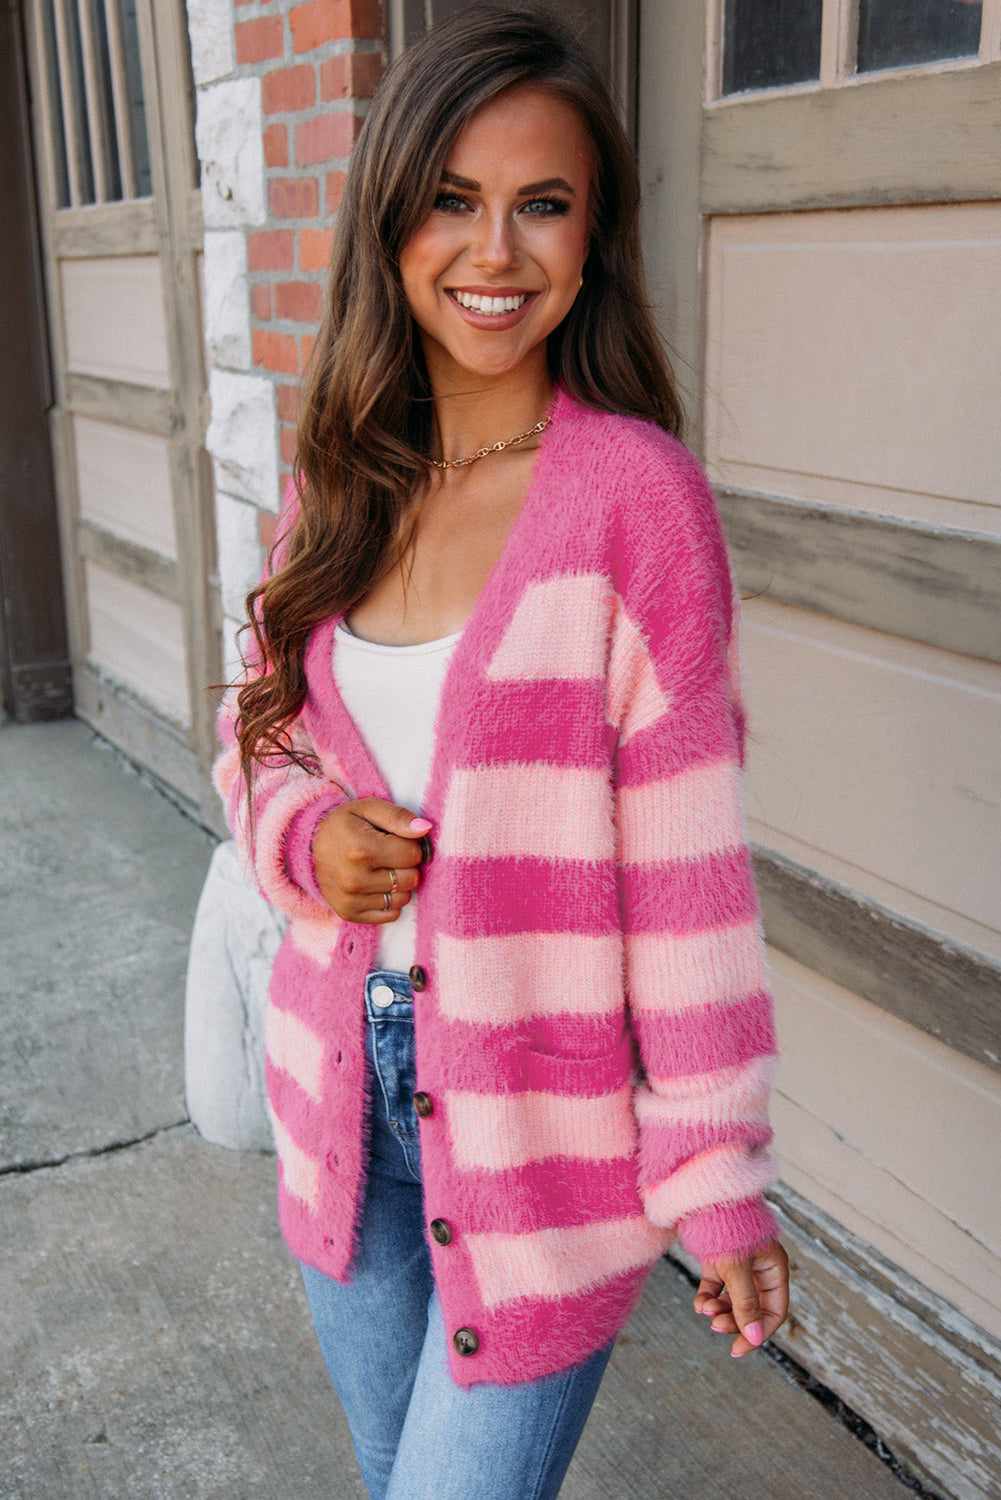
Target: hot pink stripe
[
  {"x": 488, "y": 896},
  {"x": 707, "y": 1040},
  {"x": 299, "y": 836},
  {"x": 714, "y": 891},
  {"x": 527, "y": 721},
  {"x": 560, "y": 1054},
  {"x": 731, "y": 1229},
  {"x": 539, "y": 1195}
]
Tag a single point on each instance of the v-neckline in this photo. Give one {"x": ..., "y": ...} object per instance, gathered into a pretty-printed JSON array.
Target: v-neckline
[{"x": 324, "y": 705}]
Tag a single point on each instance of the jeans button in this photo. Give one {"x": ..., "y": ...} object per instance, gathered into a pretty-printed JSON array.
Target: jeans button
[{"x": 382, "y": 995}]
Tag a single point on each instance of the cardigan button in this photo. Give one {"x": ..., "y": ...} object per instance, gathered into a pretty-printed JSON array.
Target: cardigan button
[
  {"x": 418, "y": 978},
  {"x": 424, "y": 1105},
  {"x": 427, "y": 849},
  {"x": 465, "y": 1341},
  {"x": 441, "y": 1231}
]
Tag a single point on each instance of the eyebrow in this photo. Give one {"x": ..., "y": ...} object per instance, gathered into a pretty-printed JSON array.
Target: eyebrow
[{"x": 545, "y": 186}]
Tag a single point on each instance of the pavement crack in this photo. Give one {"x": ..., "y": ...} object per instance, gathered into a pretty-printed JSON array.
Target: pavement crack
[{"x": 47, "y": 1164}]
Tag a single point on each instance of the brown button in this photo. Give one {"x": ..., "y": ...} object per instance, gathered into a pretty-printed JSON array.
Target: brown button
[
  {"x": 441, "y": 1231},
  {"x": 424, "y": 1105},
  {"x": 427, "y": 849},
  {"x": 465, "y": 1341},
  {"x": 418, "y": 978}
]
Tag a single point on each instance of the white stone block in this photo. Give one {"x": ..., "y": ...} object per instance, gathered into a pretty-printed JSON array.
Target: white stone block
[
  {"x": 210, "y": 27},
  {"x": 239, "y": 551},
  {"x": 233, "y": 945},
  {"x": 227, "y": 298},
  {"x": 232, "y": 657},
  {"x": 242, "y": 437},
  {"x": 231, "y": 151}
]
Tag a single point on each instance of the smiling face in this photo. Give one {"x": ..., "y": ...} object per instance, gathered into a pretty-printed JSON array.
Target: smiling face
[{"x": 497, "y": 265}]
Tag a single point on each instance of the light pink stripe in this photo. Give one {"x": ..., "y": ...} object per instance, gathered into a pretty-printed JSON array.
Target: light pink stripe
[
  {"x": 498, "y": 1131},
  {"x": 531, "y": 649},
  {"x": 726, "y": 1174},
  {"x": 635, "y": 697},
  {"x": 300, "y": 1171},
  {"x": 696, "y": 812},
  {"x": 555, "y": 1263},
  {"x": 511, "y": 977},
  {"x": 225, "y": 770},
  {"x": 295, "y": 1048},
  {"x": 739, "y": 1093},
  {"x": 680, "y": 971},
  {"x": 547, "y": 811},
  {"x": 316, "y": 939}
]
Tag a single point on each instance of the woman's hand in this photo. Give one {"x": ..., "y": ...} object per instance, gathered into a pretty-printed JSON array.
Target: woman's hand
[
  {"x": 747, "y": 1297},
  {"x": 357, "y": 851}
]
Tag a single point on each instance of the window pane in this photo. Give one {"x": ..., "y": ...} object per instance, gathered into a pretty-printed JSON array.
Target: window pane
[
  {"x": 765, "y": 46},
  {"x": 894, "y": 33}
]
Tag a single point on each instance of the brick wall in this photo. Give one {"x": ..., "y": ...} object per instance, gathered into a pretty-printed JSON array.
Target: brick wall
[{"x": 282, "y": 88}]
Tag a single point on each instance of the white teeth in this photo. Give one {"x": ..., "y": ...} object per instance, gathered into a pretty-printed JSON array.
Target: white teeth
[{"x": 491, "y": 306}]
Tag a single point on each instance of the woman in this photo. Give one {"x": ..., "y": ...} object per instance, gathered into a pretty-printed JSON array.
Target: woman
[{"x": 493, "y": 760}]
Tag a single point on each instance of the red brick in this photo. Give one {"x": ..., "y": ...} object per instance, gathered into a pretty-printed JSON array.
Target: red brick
[
  {"x": 288, "y": 89},
  {"x": 314, "y": 248},
  {"x": 293, "y": 197},
  {"x": 276, "y": 146},
  {"x": 258, "y": 40},
  {"x": 266, "y": 526},
  {"x": 325, "y": 137},
  {"x": 288, "y": 445},
  {"x": 335, "y": 190},
  {"x": 299, "y": 301},
  {"x": 271, "y": 250},
  {"x": 322, "y": 21},
  {"x": 260, "y": 303},
  {"x": 350, "y": 75},
  {"x": 275, "y": 351},
  {"x": 288, "y": 403}
]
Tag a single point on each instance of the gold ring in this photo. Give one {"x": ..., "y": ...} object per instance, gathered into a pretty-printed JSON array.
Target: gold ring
[
  {"x": 396, "y": 882},
  {"x": 387, "y": 900}
]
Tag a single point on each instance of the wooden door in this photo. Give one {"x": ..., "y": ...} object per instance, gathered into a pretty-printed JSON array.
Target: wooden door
[
  {"x": 823, "y": 225},
  {"x": 121, "y": 229}
]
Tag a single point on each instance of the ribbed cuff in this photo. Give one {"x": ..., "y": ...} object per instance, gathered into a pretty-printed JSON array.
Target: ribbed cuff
[
  {"x": 732, "y": 1229},
  {"x": 298, "y": 844}
]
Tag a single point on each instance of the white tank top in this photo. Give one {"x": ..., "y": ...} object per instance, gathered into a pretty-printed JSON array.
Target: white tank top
[{"x": 391, "y": 693}]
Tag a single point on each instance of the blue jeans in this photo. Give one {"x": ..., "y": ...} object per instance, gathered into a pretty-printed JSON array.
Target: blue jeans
[{"x": 418, "y": 1435}]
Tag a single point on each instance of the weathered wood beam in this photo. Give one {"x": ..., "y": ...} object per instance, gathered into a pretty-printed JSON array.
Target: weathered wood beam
[
  {"x": 920, "y": 138},
  {"x": 140, "y": 406},
  {"x": 950, "y": 991},
  {"x": 928, "y": 583},
  {"x": 105, "y": 229},
  {"x": 130, "y": 560}
]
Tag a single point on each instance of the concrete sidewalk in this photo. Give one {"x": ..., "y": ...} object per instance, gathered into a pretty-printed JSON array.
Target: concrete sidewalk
[{"x": 154, "y": 1339}]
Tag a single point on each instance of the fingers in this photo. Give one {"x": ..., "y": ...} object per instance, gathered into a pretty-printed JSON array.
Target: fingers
[
  {"x": 366, "y": 850},
  {"x": 747, "y": 1298}
]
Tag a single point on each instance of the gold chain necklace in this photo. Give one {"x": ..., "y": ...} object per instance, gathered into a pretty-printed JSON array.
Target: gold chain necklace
[{"x": 460, "y": 463}]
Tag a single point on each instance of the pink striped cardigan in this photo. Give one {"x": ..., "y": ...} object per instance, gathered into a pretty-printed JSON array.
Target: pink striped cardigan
[{"x": 595, "y": 1033}]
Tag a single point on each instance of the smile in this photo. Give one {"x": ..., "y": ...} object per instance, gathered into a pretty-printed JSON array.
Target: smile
[{"x": 489, "y": 307}]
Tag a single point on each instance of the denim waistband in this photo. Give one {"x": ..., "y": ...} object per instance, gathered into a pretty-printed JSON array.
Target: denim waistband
[{"x": 389, "y": 995}]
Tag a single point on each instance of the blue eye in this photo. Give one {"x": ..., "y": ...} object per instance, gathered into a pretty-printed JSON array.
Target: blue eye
[
  {"x": 449, "y": 203},
  {"x": 550, "y": 207}
]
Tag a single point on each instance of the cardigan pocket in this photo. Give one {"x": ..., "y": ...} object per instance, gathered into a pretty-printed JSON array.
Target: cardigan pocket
[{"x": 562, "y": 1073}]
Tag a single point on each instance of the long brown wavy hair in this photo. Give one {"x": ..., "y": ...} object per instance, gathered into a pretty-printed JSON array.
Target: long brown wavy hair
[{"x": 366, "y": 413}]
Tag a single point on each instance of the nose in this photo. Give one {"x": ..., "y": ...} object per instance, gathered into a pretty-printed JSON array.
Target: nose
[{"x": 495, "y": 247}]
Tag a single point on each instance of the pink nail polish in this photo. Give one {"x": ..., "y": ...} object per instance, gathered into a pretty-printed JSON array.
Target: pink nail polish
[
  {"x": 420, "y": 825},
  {"x": 754, "y": 1334}
]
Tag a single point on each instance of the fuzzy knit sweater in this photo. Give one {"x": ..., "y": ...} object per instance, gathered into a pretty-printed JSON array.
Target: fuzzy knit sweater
[{"x": 593, "y": 1021}]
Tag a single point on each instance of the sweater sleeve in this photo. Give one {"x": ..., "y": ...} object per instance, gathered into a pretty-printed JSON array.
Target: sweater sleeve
[
  {"x": 695, "y": 967},
  {"x": 275, "y": 815}
]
